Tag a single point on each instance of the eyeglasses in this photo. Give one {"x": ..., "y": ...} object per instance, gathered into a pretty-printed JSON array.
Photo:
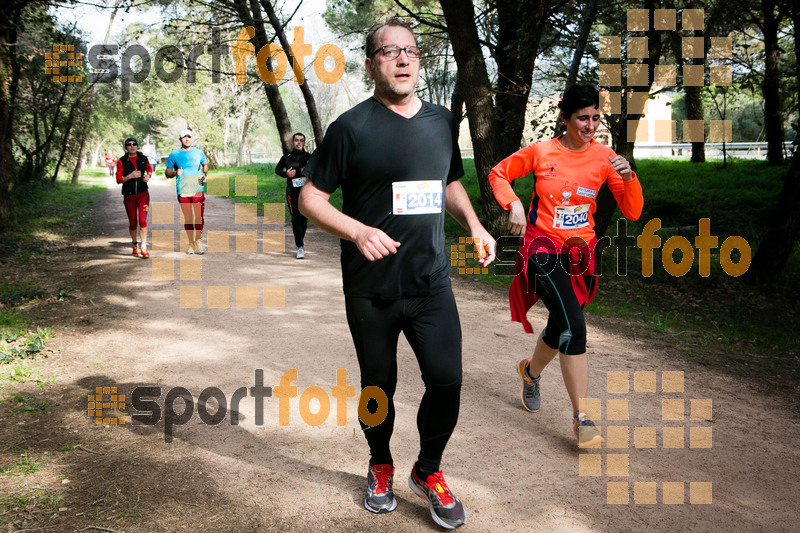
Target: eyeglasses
[
  {"x": 392, "y": 51},
  {"x": 131, "y": 144}
]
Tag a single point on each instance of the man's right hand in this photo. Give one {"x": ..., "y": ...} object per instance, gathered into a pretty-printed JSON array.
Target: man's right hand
[
  {"x": 291, "y": 172},
  {"x": 374, "y": 244}
]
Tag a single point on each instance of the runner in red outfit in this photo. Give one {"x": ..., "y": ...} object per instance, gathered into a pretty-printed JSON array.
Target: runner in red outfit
[
  {"x": 111, "y": 163},
  {"x": 557, "y": 257},
  {"x": 133, "y": 172}
]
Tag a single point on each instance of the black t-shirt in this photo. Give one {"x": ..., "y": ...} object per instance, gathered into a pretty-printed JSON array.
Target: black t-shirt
[
  {"x": 295, "y": 159},
  {"x": 370, "y": 151}
]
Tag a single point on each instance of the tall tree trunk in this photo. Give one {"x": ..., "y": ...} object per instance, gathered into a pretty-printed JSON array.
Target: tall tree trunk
[
  {"x": 65, "y": 139},
  {"x": 79, "y": 164},
  {"x": 577, "y": 55},
  {"x": 520, "y": 27},
  {"x": 457, "y": 105},
  {"x": 9, "y": 21},
  {"x": 776, "y": 246},
  {"x": 783, "y": 233},
  {"x": 249, "y": 12},
  {"x": 694, "y": 109},
  {"x": 606, "y": 204},
  {"x": 477, "y": 92},
  {"x": 770, "y": 86},
  {"x": 308, "y": 96},
  {"x": 580, "y": 46},
  {"x": 96, "y": 153},
  {"x": 88, "y": 113},
  {"x": 243, "y": 137}
]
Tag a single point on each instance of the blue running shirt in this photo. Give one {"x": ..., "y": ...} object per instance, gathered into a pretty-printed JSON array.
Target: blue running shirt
[{"x": 191, "y": 161}]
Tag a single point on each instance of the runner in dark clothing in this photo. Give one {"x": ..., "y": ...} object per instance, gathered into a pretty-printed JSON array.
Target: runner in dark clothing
[
  {"x": 290, "y": 167},
  {"x": 396, "y": 159}
]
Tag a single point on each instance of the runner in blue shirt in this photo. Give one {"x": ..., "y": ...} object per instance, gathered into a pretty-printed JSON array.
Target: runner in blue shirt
[{"x": 189, "y": 166}]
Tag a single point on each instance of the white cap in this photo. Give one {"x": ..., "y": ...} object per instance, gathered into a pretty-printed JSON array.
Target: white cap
[{"x": 184, "y": 133}]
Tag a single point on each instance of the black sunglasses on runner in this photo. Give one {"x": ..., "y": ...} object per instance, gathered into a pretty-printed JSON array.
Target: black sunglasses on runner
[
  {"x": 391, "y": 51},
  {"x": 131, "y": 144}
]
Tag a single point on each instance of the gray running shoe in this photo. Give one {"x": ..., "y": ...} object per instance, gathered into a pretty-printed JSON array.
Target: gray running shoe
[
  {"x": 380, "y": 497},
  {"x": 301, "y": 253},
  {"x": 446, "y": 509},
  {"x": 586, "y": 432},
  {"x": 531, "y": 399}
]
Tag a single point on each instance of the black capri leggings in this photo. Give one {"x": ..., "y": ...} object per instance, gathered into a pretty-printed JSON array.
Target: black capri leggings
[
  {"x": 549, "y": 275},
  {"x": 433, "y": 330}
]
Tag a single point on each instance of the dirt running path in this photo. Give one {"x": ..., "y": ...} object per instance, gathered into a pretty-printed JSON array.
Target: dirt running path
[{"x": 514, "y": 471}]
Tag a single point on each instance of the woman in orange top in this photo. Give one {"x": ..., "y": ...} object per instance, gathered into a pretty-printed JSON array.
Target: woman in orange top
[{"x": 557, "y": 256}]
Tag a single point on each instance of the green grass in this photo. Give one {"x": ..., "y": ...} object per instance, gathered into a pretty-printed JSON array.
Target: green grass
[
  {"x": 270, "y": 187},
  {"x": 22, "y": 404},
  {"x": 19, "y": 372},
  {"x": 46, "y": 220},
  {"x": 46, "y": 216},
  {"x": 21, "y": 467}
]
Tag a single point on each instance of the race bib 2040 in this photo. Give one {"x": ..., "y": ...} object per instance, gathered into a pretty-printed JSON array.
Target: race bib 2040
[
  {"x": 571, "y": 217},
  {"x": 417, "y": 197},
  {"x": 298, "y": 182}
]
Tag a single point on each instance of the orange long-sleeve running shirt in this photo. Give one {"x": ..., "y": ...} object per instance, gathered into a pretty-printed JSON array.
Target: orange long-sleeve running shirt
[{"x": 566, "y": 187}]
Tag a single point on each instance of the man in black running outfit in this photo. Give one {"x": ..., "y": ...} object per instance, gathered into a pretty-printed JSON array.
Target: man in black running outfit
[
  {"x": 290, "y": 167},
  {"x": 397, "y": 161}
]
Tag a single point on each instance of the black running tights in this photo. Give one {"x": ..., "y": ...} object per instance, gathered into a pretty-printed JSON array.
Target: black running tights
[{"x": 433, "y": 330}]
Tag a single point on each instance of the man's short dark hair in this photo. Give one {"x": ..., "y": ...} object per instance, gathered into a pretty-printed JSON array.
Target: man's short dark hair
[
  {"x": 371, "y": 43},
  {"x": 298, "y": 134}
]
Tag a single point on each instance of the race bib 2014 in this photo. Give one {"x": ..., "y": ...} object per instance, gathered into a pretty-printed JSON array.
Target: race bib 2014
[{"x": 417, "y": 197}]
